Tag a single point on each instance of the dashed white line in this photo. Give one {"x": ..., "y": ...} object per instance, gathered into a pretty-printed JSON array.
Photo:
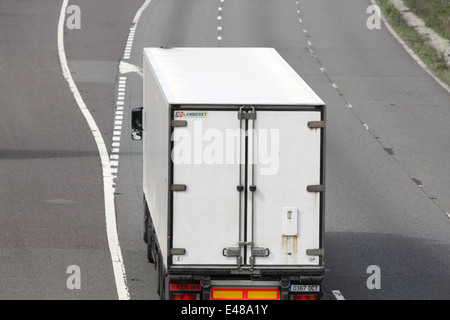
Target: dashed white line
[
  {"x": 124, "y": 67},
  {"x": 130, "y": 40},
  {"x": 219, "y": 19}
]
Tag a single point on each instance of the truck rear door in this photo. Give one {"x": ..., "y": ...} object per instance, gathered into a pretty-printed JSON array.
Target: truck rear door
[
  {"x": 205, "y": 213},
  {"x": 285, "y": 208},
  {"x": 247, "y": 186}
]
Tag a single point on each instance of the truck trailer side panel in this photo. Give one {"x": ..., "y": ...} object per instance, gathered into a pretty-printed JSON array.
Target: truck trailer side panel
[{"x": 156, "y": 154}]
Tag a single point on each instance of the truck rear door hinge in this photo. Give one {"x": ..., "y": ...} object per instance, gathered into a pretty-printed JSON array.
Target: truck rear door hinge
[
  {"x": 315, "y": 252},
  {"x": 177, "y": 251},
  {"x": 316, "y": 124},
  {"x": 315, "y": 188},
  {"x": 178, "y": 123},
  {"x": 178, "y": 187}
]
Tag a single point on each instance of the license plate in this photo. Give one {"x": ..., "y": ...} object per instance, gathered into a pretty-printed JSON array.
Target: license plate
[{"x": 304, "y": 288}]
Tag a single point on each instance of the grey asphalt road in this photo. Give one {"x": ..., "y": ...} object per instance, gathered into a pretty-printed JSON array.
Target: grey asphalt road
[{"x": 387, "y": 179}]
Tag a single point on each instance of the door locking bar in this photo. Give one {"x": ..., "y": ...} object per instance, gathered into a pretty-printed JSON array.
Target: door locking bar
[{"x": 236, "y": 252}]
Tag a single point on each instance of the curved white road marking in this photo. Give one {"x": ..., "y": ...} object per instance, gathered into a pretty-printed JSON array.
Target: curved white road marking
[{"x": 110, "y": 215}]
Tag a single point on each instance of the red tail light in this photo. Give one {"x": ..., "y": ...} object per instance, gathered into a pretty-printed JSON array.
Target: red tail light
[
  {"x": 185, "y": 296},
  {"x": 304, "y": 297}
]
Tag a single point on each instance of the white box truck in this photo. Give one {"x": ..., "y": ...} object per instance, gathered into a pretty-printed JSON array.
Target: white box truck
[{"x": 233, "y": 175}]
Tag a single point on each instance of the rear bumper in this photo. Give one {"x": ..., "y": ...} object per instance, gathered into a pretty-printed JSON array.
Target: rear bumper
[{"x": 213, "y": 284}]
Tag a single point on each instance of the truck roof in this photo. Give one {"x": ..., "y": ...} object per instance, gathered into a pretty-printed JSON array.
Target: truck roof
[{"x": 221, "y": 76}]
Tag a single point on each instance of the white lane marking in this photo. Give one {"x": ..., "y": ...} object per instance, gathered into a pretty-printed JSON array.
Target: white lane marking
[
  {"x": 110, "y": 215},
  {"x": 125, "y": 67},
  {"x": 338, "y": 295},
  {"x": 130, "y": 40},
  {"x": 219, "y": 21}
]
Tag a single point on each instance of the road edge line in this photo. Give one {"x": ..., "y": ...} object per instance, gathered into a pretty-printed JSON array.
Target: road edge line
[
  {"x": 110, "y": 215},
  {"x": 409, "y": 50}
]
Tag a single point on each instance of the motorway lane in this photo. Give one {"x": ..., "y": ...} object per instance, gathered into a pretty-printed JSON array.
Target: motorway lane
[
  {"x": 376, "y": 214},
  {"x": 403, "y": 227},
  {"x": 52, "y": 209},
  {"x": 51, "y": 193}
]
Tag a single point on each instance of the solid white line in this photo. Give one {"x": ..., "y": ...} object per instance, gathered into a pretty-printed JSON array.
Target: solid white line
[
  {"x": 110, "y": 215},
  {"x": 410, "y": 51}
]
